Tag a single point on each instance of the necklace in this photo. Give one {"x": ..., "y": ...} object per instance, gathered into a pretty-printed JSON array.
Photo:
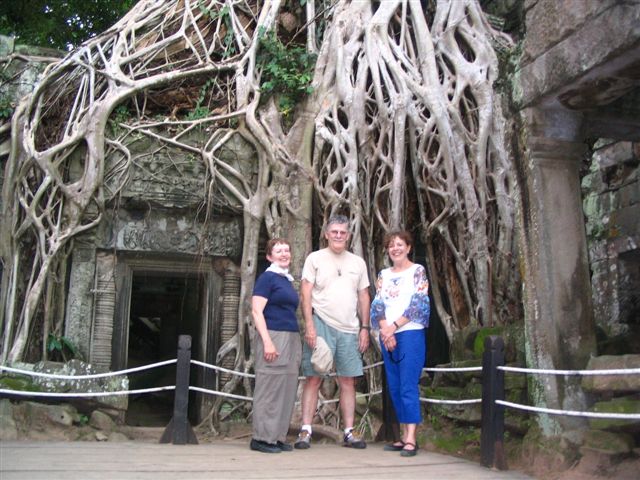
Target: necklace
[{"x": 338, "y": 265}]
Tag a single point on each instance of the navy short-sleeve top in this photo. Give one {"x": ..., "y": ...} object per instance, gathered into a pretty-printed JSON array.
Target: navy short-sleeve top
[{"x": 282, "y": 302}]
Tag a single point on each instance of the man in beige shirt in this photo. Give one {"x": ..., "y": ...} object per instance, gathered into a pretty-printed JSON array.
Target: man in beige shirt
[{"x": 335, "y": 303}]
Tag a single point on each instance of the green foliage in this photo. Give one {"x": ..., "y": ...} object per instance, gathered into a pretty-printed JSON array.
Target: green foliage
[
  {"x": 119, "y": 115},
  {"x": 287, "y": 71},
  {"x": 59, "y": 24},
  {"x": 200, "y": 110},
  {"x": 61, "y": 347},
  {"x": 223, "y": 13},
  {"x": 6, "y": 108}
]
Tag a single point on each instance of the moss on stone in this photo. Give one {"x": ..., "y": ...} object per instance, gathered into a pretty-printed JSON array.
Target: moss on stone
[
  {"x": 617, "y": 405},
  {"x": 445, "y": 393},
  {"x": 18, "y": 383},
  {"x": 458, "y": 440},
  {"x": 478, "y": 344},
  {"x": 609, "y": 442}
]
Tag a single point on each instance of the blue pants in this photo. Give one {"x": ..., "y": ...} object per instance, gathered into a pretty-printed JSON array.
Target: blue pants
[{"x": 403, "y": 368}]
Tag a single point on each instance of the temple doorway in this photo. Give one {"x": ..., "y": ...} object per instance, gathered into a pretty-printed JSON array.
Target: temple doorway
[
  {"x": 163, "y": 306},
  {"x": 157, "y": 299}
]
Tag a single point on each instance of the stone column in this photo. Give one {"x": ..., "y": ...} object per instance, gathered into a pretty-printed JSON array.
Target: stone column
[
  {"x": 104, "y": 310},
  {"x": 559, "y": 324},
  {"x": 79, "y": 310}
]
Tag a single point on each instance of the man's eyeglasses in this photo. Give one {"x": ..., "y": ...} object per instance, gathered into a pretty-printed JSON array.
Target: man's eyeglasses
[{"x": 338, "y": 233}]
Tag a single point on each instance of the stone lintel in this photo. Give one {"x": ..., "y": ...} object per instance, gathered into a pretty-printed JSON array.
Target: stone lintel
[
  {"x": 177, "y": 235},
  {"x": 551, "y": 21},
  {"x": 602, "y": 47}
]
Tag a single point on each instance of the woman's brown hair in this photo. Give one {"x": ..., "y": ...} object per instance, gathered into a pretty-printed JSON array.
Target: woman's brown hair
[
  {"x": 275, "y": 241},
  {"x": 403, "y": 235}
]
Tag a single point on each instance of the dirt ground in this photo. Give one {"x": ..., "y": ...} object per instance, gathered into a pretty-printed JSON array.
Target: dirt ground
[{"x": 591, "y": 467}]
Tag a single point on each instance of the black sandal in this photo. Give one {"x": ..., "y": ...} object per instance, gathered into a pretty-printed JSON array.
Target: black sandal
[
  {"x": 393, "y": 447},
  {"x": 409, "y": 453}
]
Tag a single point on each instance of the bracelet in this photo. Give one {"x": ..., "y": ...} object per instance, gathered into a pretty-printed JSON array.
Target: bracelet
[
  {"x": 397, "y": 326},
  {"x": 365, "y": 327}
]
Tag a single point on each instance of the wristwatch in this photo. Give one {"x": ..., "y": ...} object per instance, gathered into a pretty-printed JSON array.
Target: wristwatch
[{"x": 365, "y": 327}]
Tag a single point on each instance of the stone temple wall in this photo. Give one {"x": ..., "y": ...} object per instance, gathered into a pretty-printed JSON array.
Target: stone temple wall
[
  {"x": 611, "y": 193},
  {"x": 578, "y": 81},
  {"x": 166, "y": 218}
]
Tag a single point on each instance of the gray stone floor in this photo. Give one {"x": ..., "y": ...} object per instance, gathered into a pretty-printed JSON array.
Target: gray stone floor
[{"x": 30, "y": 460}]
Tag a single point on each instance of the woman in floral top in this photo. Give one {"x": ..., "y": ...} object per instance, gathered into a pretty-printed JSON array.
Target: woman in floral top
[{"x": 400, "y": 311}]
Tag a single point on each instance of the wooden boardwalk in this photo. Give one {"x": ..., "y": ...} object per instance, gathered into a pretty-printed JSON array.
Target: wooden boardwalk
[{"x": 29, "y": 460}]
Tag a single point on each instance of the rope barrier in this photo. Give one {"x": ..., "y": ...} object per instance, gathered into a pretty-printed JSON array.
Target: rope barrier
[
  {"x": 222, "y": 394},
  {"x": 451, "y": 402},
  {"x": 453, "y": 369},
  {"x": 373, "y": 365},
  {"x": 87, "y": 394},
  {"x": 221, "y": 369},
  {"x": 571, "y": 413},
  {"x": 86, "y": 377},
  {"x": 618, "y": 371},
  {"x": 250, "y": 399},
  {"x": 377, "y": 364},
  {"x": 358, "y": 395},
  {"x": 251, "y": 375}
]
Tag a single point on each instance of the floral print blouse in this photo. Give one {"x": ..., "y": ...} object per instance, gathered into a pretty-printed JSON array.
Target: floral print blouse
[{"x": 402, "y": 294}]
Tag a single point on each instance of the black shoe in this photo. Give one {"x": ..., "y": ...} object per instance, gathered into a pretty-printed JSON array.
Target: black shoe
[
  {"x": 285, "y": 447},
  {"x": 351, "y": 441},
  {"x": 304, "y": 440},
  {"x": 409, "y": 452},
  {"x": 264, "y": 447},
  {"x": 393, "y": 447}
]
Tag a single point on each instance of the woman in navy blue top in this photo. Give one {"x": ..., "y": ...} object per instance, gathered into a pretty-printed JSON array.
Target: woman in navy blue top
[{"x": 277, "y": 349}]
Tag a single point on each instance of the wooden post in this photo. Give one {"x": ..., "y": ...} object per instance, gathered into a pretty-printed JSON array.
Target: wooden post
[
  {"x": 492, "y": 435},
  {"x": 390, "y": 429},
  {"x": 179, "y": 430}
]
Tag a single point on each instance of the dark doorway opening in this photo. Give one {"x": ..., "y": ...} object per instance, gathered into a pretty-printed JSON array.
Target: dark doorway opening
[{"x": 163, "y": 306}]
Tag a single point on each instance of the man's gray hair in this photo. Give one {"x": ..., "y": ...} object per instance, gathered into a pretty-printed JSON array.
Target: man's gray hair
[{"x": 339, "y": 219}]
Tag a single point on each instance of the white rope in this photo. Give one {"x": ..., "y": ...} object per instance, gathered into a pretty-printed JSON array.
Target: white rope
[
  {"x": 453, "y": 369},
  {"x": 451, "y": 402},
  {"x": 618, "y": 371},
  {"x": 84, "y": 377},
  {"x": 221, "y": 369},
  {"x": 358, "y": 395},
  {"x": 251, "y": 375},
  {"x": 222, "y": 394},
  {"x": 571, "y": 413},
  {"x": 373, "y": 365},
  {"x": 250, "y": 399},
  {"x": 88, "y": 394}
]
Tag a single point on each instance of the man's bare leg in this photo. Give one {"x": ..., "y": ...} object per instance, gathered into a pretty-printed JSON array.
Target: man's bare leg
[
  {"x": 310, "y": 399},
  {"x": 347, "y": 400}
]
